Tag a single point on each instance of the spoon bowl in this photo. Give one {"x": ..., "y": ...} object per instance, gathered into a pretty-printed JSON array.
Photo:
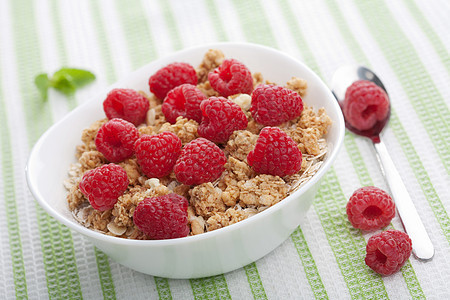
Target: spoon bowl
[
  {"x": 422, "y": 247},
  {"x": 343, "y": 78}
]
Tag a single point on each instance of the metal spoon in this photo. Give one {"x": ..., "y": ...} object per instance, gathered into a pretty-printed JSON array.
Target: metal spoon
[{"x": 421, "y": 243}]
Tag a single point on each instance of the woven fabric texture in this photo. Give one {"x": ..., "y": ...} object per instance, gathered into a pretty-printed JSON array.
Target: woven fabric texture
[{"x": 407, "y": 42}]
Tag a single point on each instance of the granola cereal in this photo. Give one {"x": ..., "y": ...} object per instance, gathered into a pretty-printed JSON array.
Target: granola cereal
[{"x": 237, "y": 194}]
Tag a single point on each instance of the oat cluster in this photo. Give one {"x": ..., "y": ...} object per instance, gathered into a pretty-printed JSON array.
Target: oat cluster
[{"x": 238, "y": 194}]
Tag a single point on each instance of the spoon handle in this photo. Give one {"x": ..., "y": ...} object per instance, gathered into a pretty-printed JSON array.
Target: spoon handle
[{"x": 421, "y": 243}]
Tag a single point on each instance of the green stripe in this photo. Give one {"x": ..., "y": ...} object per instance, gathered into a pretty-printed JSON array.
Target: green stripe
[
  {"x": 9, "y": 196},
  {"x": 408, "y": 273},
  {"x": 350, "y": 267},
  {"x": 163, "y": 287},
  {"x": 291, "y": 18},
  {"x": 103, "y": 267},
  {"x": 254, "y": 280},
  {"x": 260, "y": 32},
  {"x": 138, "y": 36},
  {"x": 253, "y": 21},
  {"x": 347, "y": 243},
  {"x": 432, "y": 36},
  {"x": 417, "y": 83},
  {"x": 56, "y": 241},
  {"x": 422, "y": 177},
  {"x": 175, "y": 37},
  {"x": 357, "y": 160},
  {"x": 61, "y": 43},
  {"x": 59, "y": 259},
  {"x": 410, "y": 277},
  {"x": 309, "y": 265},
  {"x": 104, "y": 274},
  {"x": 216, "y": 21},
  {"x": 105, "y": 48},
  {"x": 214, "y": 287}
]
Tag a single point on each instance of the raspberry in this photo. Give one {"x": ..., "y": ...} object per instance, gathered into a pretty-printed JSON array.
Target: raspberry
[
  {"x": 126, "y": 104},
  {"x": 171, "y": 76},
  {"x": 183, "y": 100},
  {"x": 387, "y": 252},
  {"x": 365, "y": 104},
  {"x": 230, "y": 78},
  {"x": 275, "y": 153},
  {"x": 103, "y": 185},
  {"x": 200, "y": 161},
  {"x": 162, "y": 217},
  {"x": 115, "y": 140},
  {"x": 273, "y": 105},
  {"x": 370, "y": 208},
  {"x": 157, "y": 154},
  {"x": 221, "y": 117}
]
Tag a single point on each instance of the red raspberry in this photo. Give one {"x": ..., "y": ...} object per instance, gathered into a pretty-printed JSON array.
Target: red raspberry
[
  {"x": 163, "y": 217},
  {"x": 200, "y": 161},
  {"x": 275, "y": 153},
  {"x": 273, "y": 105},
  {"x": 183, "y": 100},
  {"x": 387, "y": 252},
  {"x": 157, "y": 154},
  {"x": 221, "y": 117},
  {"x": 126, "y": 104},
  {"x": 103, "y": 185},
  {"x": 230, "y": 78},
  {"x": 171, "y": 76},
  {"x": 370, "y": 208},
  {"x": 115, "y": 140},
  {"x": 365, "y": 103}
]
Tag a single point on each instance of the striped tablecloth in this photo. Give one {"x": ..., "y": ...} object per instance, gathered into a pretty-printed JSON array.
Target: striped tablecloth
[{"x": 407, "y": 42}]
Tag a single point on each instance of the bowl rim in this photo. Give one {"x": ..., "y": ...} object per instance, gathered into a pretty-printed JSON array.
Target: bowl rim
[{"x": 206, "y": 235}]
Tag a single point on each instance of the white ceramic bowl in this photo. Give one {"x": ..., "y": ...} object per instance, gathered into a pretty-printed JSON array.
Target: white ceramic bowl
[{"x": 206, "y": 254}]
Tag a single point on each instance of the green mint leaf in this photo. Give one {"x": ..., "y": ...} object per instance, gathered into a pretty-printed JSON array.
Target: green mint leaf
[
  {"x": 78, "y": 77},
  {"x": 42, "y": 83},
  {"x": 65, "y": 80},
  {"x": 64, "y": 83}
]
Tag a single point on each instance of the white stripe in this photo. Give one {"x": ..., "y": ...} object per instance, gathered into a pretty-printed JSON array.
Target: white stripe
[
  {"x": 321, "y": 34},
  {"x": 81, "y": 45},
  {"x": 184, "y": 14},
  {"x": 238, "y": 285},
  {"x": 51, "y": 61},
  {"x": 284, "y": 264},
  {"x": 181, "y": 289},
  {"x": 130, "y": 283},
  {"x": 230, "y": 20},
  {"x": 115, "y": 38},
  {"x": 281, "y": 29},
  {"x": 436, "y": 14},
  {"x": 158, "y": 28}
]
